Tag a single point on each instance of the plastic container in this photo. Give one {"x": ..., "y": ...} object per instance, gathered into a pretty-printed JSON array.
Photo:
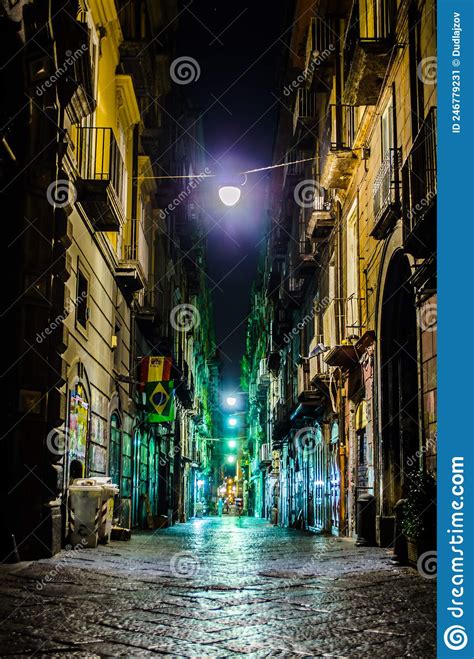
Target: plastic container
[
  {"x": 109, "y": 490},
  {"x": 84, "y": 513}
]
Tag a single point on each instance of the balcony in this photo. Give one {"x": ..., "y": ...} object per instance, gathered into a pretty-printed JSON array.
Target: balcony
[
  {"x": 293, "y": 291},
  {"x": 321, "y": 52},
  {"x": 295, "y": 170},
  {"x": 318, "y": 369},
  {"x": 420, "y": 191},
  {"x": 281, "y": 424},
  {"x": 305, "y": 115},
  {"x": 305, "y": 259},
  {"x": 282, "y": 317},
  {"x": 147, "y": 311},
  {"x": 77, "y": 93},
  {"x": 367, "y": 50},
  {"x": 322, "y": 219},
  {"x": 340, "y": 161},
  {"x": 386, "y": 194},
  {"x": 101, "y": 186},
  {"x": 307, "y": 393},
  {"x": 129, "y": 272}
]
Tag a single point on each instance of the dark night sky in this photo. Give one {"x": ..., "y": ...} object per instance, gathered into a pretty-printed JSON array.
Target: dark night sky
[{"x": 238, "y": 131}]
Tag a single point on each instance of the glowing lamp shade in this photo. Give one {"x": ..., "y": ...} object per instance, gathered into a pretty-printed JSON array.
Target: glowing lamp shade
[
  {"x": 232, "y": 422},
  {"x": 231, "y": 401},
  {"x": 232, "y": 443},
  {"x": 229, "y": 195},
  {"x": 231, "y": 459}
]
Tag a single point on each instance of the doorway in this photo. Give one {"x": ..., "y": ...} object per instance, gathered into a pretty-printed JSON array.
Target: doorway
[{"x": 399, "y": 380}]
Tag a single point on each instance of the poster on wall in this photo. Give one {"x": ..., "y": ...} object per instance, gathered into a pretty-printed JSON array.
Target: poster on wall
[{"x": 78, "y": 424}]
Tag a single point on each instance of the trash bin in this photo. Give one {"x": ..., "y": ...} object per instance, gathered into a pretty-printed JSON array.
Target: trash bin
[
  {"x": 109, "y": 490},
  {"x": 84, "y": 513}
]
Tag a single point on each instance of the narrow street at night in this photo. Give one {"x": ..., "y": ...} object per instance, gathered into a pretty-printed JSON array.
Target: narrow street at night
[
  {"x": 219, "y": 375},
  {"x": 218, "y": 587}
]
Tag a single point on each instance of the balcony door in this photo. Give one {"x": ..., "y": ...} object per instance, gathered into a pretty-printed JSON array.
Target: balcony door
[
  {"x": 319, "y": 482},
  {"x": 399, "y": 380},
  {"x": 334, "y": 478},
  {"x": 352, "y": 276}
]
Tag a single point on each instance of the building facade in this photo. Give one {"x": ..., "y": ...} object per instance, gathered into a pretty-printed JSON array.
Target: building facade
[
  {"x": 106, "y": 266},
  {"x": 344, "y": 314}
]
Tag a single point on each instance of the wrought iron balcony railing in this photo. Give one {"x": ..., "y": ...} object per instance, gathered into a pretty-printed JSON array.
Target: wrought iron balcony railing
[
  {"x": 342, "y": 126},
  {"x": 305, "y": 111},
  {"x": 386, "y": 193},
  {"x": 366, "y": 49},
  {"x": 419, "y": 176},
  {"x": 102, "y": 177},
  {"x": 338, "y": 159}
]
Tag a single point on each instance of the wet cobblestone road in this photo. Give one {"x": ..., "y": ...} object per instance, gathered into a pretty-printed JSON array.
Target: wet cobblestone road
[{"x": 217, "y": 587}]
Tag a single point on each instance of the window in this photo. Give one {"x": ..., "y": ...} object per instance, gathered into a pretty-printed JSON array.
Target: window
[
  {"x": 387, "y": 129},
  {"x": 352, "y": 309},
  {"x": 118, "y": 348},
  {"x": 82, "y": 299},
  {"x": 416, "y": 82}
]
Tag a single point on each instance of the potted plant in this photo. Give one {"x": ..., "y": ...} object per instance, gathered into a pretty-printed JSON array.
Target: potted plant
[{"x": 419, "y": 515}]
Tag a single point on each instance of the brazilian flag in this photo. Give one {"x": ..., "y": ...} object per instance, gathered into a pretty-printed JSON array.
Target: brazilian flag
[{"x": 160, "y": 401}]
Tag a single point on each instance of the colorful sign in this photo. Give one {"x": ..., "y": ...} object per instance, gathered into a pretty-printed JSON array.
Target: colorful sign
[{"x": 78, "y": 424}]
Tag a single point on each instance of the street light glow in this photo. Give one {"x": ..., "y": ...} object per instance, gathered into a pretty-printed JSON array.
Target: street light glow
[
  {"x": 232, "y": 422},
  {"x": 231, "y": 459},
  {"x": 231, "y": 401},
  {"x": 232, "y": 443},
  {"x": 229, "y": 195}
]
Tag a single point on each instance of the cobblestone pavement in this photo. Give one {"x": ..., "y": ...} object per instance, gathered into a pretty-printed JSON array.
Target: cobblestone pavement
[{"x": 217, "y": 587}]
